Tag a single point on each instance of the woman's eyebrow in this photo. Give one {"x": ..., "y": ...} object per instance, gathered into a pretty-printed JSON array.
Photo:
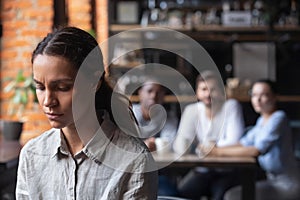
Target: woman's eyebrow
[
  {"x": 57, "y": 81},
  {"x": 36, "y": 81}
]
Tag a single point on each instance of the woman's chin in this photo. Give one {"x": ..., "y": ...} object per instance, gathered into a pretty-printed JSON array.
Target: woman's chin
[{"x": 56, "y": 124}]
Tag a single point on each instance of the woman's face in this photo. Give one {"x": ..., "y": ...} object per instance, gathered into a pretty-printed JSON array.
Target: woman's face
[
  {"x": 54, "y": 78},
  {"x": 262, "y": 98}
]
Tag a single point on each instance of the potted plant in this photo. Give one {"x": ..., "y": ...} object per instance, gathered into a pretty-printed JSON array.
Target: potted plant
[{"x": 21, "y": 92}]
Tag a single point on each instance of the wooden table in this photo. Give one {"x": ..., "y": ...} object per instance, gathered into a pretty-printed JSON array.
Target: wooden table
[
  {"x": 9, "y": 158},
  {"x": 246, "y": 165}
]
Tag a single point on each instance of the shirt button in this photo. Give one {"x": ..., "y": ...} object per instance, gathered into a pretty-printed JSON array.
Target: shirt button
[{"x": 97, "y": 161}]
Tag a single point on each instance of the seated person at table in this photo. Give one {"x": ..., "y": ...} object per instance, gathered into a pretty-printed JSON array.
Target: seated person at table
[
  {"x": 152, "y": 126},
  {"x": 212, "y": 118},
  {"x": 150, "y": 94},
  {"x": 270, "y": 141}
]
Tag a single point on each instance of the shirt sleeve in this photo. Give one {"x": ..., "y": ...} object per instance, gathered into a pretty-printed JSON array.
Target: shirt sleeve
[
  {"x": 143, "y": 183},
  {"x": 170, "y": 129},
  {"x": 270, "y": 133},
  {"x": 21, "y": 188},
  {"x": 249, "y": 137},
  {"x": 187, "y": 129},
  {"x": 234, "y": 124},
  {"x": 263, "y": 137}
]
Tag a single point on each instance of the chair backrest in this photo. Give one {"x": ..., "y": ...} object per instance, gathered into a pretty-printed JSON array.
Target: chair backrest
[{"x": 295, "y": 126}]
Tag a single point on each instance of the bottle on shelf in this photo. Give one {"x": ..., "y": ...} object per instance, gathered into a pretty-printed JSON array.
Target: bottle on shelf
[
  {"x": 293, "y": 18},
  {"x": 257, "y": 13}
]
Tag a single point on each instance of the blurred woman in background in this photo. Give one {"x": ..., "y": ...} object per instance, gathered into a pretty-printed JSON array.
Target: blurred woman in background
[{"x": 270, "y": 141}]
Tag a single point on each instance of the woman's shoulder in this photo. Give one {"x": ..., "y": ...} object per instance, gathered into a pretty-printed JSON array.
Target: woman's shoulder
[
  {"x": 280, "y": 117},
  {"x": 129, "y": 142},
  {"x": 280, "y": 114},
  {"x": 129, "y": 153},
  {"x": 42, "y": 143}
]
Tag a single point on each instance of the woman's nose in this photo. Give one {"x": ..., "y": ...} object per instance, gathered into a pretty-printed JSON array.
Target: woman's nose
[{"x": 50, "y": 100}]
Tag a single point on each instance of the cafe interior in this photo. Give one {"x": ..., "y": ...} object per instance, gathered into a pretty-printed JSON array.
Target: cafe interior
[{"x": 244, "y": 40}]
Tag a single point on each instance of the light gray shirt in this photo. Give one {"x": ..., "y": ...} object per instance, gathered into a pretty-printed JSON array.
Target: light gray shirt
[{"x": 111, "y": 166}]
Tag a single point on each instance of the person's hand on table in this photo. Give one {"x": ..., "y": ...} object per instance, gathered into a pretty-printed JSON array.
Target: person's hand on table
[
  {"x": 150, "y": 143},
  {"x": 214, "y": 151},
  {"x": 206, "y": 149}
]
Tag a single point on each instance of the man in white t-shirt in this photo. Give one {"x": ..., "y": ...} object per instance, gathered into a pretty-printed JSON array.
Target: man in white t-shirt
[{"x": 211, "y": 121}]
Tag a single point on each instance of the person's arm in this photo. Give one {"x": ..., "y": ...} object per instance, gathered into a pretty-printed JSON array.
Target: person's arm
[
  {"x": 235, "y": 150},
  {"x": 186, "y": 130},
  {"x": 169, "y": 130},
  {"x": 234, "y": 124},
  {"x": 245, "y": 147}
]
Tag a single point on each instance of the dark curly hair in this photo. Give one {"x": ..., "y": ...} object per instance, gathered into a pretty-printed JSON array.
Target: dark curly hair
[{"x": 71, "y": 43}]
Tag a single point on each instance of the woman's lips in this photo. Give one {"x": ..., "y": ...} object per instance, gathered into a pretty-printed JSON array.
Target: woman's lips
[
  {"x": 53, "y": 116},
  {"x": 256, "y": 107}
]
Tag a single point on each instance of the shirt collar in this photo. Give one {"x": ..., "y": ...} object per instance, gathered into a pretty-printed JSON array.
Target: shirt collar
[
  {"x": 96, "y": 147},
  {"x": 59, "y": 143}
]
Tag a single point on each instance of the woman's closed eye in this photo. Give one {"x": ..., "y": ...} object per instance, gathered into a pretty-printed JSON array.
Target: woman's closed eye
[
  {"x": 39, "y": 86},
  {"x": 64, "y": 87}
]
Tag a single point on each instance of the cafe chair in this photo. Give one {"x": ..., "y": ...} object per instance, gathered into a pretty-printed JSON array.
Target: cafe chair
[{"x": 295, "y": 127}]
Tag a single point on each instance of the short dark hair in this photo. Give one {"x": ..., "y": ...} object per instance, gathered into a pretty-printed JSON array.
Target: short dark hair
[
  {"x": 206, "y": 75},
  {"x": 270, "y": 83}
]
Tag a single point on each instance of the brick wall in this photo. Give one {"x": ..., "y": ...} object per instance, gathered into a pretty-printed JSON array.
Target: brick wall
[
  {"x": 80, "y": 14},
  {"x": 25, "y": 23},
  {"x": 102, "y": 20}
]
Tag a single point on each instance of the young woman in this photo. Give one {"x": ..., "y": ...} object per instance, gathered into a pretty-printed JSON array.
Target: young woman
[
  {"x": 79, "y": 159},
  {"x": 270, "y": 141}
]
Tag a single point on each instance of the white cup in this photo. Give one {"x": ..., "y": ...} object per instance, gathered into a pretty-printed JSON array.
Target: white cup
[{"x": 162, "y": 146}]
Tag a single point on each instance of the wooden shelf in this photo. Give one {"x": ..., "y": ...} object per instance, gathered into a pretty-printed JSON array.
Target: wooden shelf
[
  {"x": 224, "y": 33},
  {"x": 209, "y": 28},
  {"x": 190, "y": 99},
  {"x": 126, "y": 27}
]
